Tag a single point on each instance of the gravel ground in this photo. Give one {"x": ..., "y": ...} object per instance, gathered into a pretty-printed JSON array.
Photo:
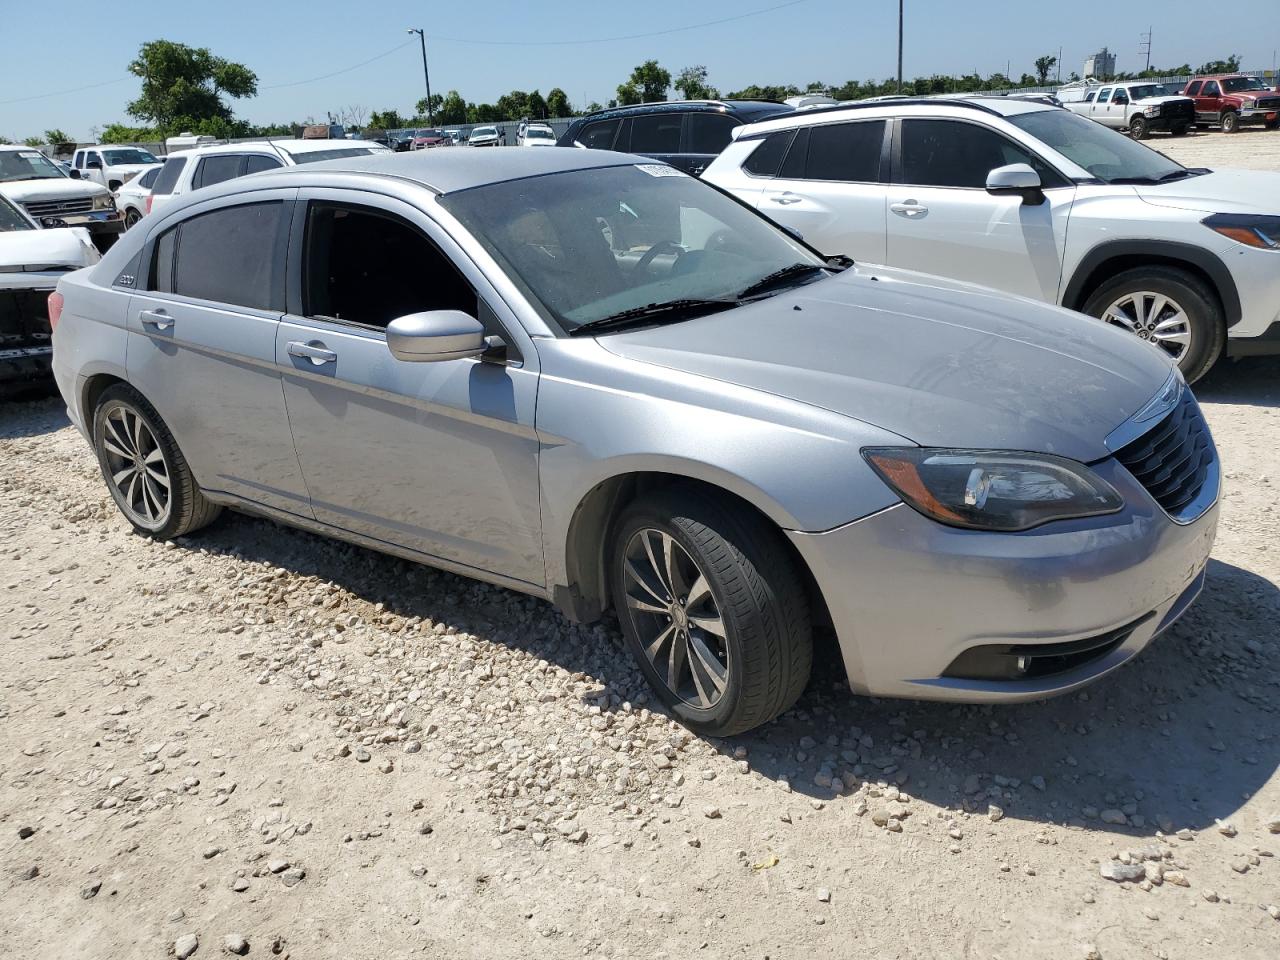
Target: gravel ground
[
  {"x": 258, "y": 742},
  {"x": 1251, "y": 149}
]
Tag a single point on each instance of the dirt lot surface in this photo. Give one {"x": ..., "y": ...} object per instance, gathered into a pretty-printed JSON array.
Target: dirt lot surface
[
  {"x": 1251, "y": 149},
  {"x": 257, "y": 740}
]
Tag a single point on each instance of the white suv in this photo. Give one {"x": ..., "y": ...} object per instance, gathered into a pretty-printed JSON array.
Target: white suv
[
  {"x": 1034, "y": 200},
  {"x": 189, "y": 170}
]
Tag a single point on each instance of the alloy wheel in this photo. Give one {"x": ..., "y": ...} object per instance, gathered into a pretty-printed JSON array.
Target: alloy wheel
[
  {"x": 136, "y": 466},
  {"x": 676, "y": 618},
  {"x": 1153, "y": 317}
]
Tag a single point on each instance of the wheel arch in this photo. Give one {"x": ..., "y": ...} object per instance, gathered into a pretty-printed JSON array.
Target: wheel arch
[
  {"x": 94, "y": 386},
  {"x": 1108, "y": 259},
  {"x": 585, "y": 596}
]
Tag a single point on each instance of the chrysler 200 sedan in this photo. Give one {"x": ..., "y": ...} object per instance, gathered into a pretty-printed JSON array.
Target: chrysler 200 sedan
[{"x": 591, "y": 378}]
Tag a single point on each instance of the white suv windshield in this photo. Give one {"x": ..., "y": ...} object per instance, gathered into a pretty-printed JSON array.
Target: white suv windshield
[
  {"x": 26, "y": 165},
  {"x": 536, "y": 133},
  {"x": 1107, "y": 155}
]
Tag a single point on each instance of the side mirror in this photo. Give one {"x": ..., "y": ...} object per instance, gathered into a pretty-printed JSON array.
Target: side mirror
[
  {"x": 1121, "y": 100},
  {"x": 1017, "y": 179},
  {"x": 435, "y": 335},
  {"x": 792, "y": 232},
  {"x": 75, "y": 174},
  {"x": 93, "y": 163}
]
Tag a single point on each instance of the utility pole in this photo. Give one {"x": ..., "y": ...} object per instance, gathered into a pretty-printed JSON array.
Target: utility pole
[
  {"x": 425, "y": 74},
  {"x": 900, "y": 3},
  {"x": 1059, "y": 80},
  {"x": 1145, "y": 47}
]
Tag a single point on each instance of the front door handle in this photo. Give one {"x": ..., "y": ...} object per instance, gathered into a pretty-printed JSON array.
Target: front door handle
[
  {"x": 315, "y": 351},
  {"x": 785, "y": 198},
  {"x": 910, "y": 209},
  {"x": 156, "y": 318}
]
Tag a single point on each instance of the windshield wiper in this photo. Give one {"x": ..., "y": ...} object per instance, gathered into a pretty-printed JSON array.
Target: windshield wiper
[
  {"x": 670, "y": 311},
  {"x": 780, "y": 276}
]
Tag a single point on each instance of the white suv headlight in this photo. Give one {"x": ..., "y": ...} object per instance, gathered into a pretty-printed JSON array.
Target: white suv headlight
[
  {"x": 992, "y": 489},
  {"x": 104, "y": 202},
  {"x": 1253, "y": 230}
]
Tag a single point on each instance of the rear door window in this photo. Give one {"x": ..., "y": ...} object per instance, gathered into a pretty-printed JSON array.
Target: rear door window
[
  {"x": 709, "y": 132},
  {"x": 258, "y": 162},
  {"x": 793, "y": 165},
  {"x": 655, "y": 133},
  {"x": 1194, "y": 89},
  {"x": 599, "y": 135},
  {"x": 845, "y": 151},
  {"x": 1211, "y": 89},
  {"x": 217, "y": 169},
  {"x": 169, "y": 174},
  {"x": 767, "y": 157},
  {"x": 231, "y": 255}
]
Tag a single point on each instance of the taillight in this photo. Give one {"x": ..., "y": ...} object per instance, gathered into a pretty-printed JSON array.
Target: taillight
[
  {"x": 149, "y": 199},
  {"x": 55, "y": 309}
]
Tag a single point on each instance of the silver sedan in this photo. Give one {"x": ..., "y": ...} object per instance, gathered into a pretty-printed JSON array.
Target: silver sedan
[{"x": 590, "y": 378}]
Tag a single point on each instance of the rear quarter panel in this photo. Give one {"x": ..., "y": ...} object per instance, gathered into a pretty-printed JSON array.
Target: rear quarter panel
[{"x": 88, "y": 340}]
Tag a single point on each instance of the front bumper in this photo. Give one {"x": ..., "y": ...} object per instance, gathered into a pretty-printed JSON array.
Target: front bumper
[
  {"x": 908, "y": 596},
  {"x": 98, "y": 222}
]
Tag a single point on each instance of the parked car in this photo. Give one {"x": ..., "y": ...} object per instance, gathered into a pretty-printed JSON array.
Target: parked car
[
  {"x": 1137, "y": 108},
  {"x": 429, "y": 138},
  {"x": 684, "y": 133},
  {"x": 205, "y": 166},
  {"x": 455, "y": 136},
  {"x": 536, "y": 135},
  {"x": 111, "y": 165},
  {"x": 52, "y": 199},
  {"x": 31, "y": 262},
  {"x": 628, "y": 390},
  {"x": 1232, "y": 100},
  {"x": 484, "y": 137},
  {"x": 1032, "y": 200},
  {"x": 131, "y": 199}
]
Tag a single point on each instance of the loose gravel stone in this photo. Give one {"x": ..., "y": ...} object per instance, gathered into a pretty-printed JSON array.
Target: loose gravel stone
[
  {"x": 185, "y": 946},
  {"x": 235, "y": 943},
  {"x": 1122, "y": 872}
]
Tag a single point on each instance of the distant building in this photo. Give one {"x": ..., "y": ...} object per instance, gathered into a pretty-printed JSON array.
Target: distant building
[{"x": 1101, "y": 65}]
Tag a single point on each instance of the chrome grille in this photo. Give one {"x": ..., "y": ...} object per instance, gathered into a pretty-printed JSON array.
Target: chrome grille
[
  {"x": 58, "y": 208},
  {"x": 1174, "y": 459}
]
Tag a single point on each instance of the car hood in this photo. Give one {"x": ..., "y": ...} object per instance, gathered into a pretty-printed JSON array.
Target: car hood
[
  {"x": 50, "y": 188},
  {"x": 939, "y": 362},
  {"x": 1223, "y": 191},
  {"x": 42, "y": 249}
]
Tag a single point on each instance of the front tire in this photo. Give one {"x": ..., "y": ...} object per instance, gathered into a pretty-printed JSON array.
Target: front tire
[
  {"x": 713, "y": 609},
  {"x": 131, "y": 218},
  {"x": 1168, "y": 307},
  {"x": 146, "y": 473},
  {"x": 1230, "y": 121},
  {"x": 1138, "y": 128}
]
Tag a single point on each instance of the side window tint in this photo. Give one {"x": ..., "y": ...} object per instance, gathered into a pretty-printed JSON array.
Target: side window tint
[
  {"x": 766, "y": 158},
  {"x": 710, "y": 132},
  {"x": 169, "y": 174},
  {"x": 148, "y": 179},
  {"x": 231, "y": 256},
  {"x": 598, "y": 135},
  {"x": 1211, "y": 89},
  {"x": 258, "y": 162},
  {"x": 367, "y": 267},
  {"x": 79, "y": 163},
  {"x": 216, "y": 169},
  {"x": 949, "y": 153},
  {"x": 845, "y": 151},
  {"x": 162, "y": 261},
  {"x": 656, "y": 133},
  {"x": 793, "y": 166},
  {"x": 1104, "y": 96},
  {"x": 1193, "y": 89}
]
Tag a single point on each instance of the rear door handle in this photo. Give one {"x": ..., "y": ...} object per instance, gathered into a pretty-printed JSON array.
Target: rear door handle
[
  {"x": 156, "y": 318},
  {"x": 910, "y": 209},
  {"x": 786, "y": 198},
  {"x": 315, "y": 351}
]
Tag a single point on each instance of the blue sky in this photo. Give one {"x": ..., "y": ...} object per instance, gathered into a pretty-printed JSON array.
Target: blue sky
[{"x": 286, "y": 41}]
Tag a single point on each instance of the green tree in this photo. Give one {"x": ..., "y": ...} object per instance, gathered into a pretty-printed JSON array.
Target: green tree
[
  {"x": 119, "y": 133},
  {"x": 1229, "y": 65},
  {"x": 558, "y": 103},
  {"x": 537, "y": 106},
  {"x": 56, "y": 136},
  {"x": 421, "y": 106},
  {"x": 692, "y": 84},
  {"x": 757, "y": 92},
  {"x": 453, "y": 109},
  {"x": 483, "y": 113},
  {"x": 649, "y": 81},
  {"x": 1043, "y": 66},
  {"x": 628, "y": 95},
  {"x": 183, "y": 86},
  {"x": 386, "y": 120},
  {"x": 593, "y": 106},
  {"x": 513, "y": 105},
  {"x": 34, "y": 141}
]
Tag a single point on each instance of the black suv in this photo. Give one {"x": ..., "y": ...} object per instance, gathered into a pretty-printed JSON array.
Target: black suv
[{"x": 688, "y": 134}]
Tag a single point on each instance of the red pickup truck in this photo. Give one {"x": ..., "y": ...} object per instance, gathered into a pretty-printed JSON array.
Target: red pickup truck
[{"x": 1231, "y": 100}]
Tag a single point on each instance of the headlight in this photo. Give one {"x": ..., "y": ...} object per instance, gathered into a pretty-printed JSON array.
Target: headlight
[
  {"x": 1250, "y": 229},
  {"x": 105, "y": 202},
  {"x": 1151, "y": 111},
  {"x": 992, "y": 489}
]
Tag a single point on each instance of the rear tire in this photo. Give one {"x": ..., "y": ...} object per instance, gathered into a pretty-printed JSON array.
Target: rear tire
[
  {"x": 1230, "y": 121},
  {"x": 1271, "y": 124},
  {"x": 722, "y": 631},
  {"x": 1132, "y": 301},
  {"x": 131, "y": 218},
  {"x": 146, "y": 474},
  {"x": 1138, "y": 128}
]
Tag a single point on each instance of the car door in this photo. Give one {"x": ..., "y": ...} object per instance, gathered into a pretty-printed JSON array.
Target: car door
[
  {"x": 441, "y": 458},
  {"x": 1209, "y": 102},
  {"x": 656, "y": 135},
  {"x": 1102, "y": 107},
  {"x": 705, "y": 136},
  {"x": 93, "y": 169},
  {"x": 942, "y": 220},
  {"x": 829, "y": 188},
  {"x": 1117, "y": 112},
  {"x": 201, "y": 344}
]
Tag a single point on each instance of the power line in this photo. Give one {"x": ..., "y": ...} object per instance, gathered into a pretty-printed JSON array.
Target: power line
[
  {"x": 629, "y": 36},
  {"x": 59, "y": 93},
  {"x": 326, "y": 76}
]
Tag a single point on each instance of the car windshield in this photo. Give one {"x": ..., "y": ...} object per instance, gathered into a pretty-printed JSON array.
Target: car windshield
[
  {"x": 589, "y": 244},
  {"x": 432, "y": 134},
  {"x": 1236, "y": 84},
  {"x": 1107, "y": 155},
  {"x": 11, "y": 219},
  {"x": 315, "y": 156},
  {"x": 27, "y": 165},
  {"x": 118, "y": 158},
  {"x": 484, "y": 132},
  {"x": 538, "y": 133},
  {"x": 1145, "y": 90}
]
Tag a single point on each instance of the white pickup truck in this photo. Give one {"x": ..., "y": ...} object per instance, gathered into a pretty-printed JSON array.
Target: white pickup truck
[{"x": 1138, "y": 108}]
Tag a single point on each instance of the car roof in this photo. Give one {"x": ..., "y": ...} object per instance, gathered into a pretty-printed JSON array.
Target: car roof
[
  {"x": 993, "y": 106},
  {"x": 271, "y": 146},
  {"x": 448, "y": 171},
  {"x": 112, "y": 146},
  {"x": 747, "y": 109}
]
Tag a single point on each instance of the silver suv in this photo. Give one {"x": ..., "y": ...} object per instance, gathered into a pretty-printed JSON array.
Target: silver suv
[
  {"x": 591, "y": 378},
  {"x": 1034, "y": 200}
]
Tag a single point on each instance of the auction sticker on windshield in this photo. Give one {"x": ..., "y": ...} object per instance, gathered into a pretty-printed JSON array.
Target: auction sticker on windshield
[
  {"x": 30, "y": 154},
  {"x": 660, "y": 170}
]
